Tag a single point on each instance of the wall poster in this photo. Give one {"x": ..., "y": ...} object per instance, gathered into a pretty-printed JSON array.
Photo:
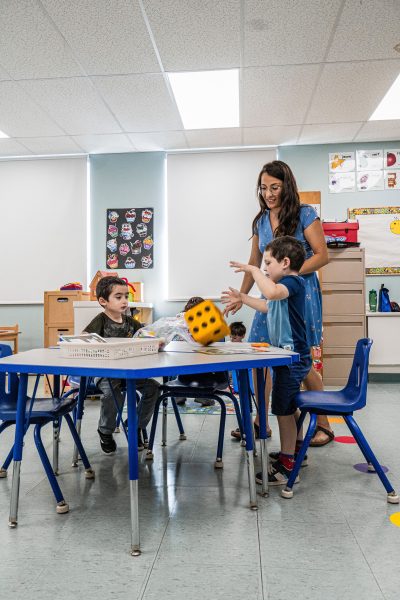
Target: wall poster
[
  {"x": 130, "y": 238},
  {"x": 379, "y": 234}
]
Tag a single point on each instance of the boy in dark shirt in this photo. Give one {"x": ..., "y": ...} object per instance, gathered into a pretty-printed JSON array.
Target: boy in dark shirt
[
  {"x": 285, "y": 306},
  {"x": 112, "y": 294}
]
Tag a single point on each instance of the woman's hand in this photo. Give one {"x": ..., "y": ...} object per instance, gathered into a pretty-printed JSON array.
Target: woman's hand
[
  {"x": 242, "y": 267},
  {"x": 233, "y": 300}
]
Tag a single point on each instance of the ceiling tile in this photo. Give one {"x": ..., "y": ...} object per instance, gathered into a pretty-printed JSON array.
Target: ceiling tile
[
  {"x": 141, "y": 103},
  {"x": 277, "y": 95},
  {"x": 30, "y": 46},
  {"x": 259, "y": 136},
  {"x": 20, "y": 116},
  {"x": 9, "y": 147},
  {"x": 104, "y": 144},
  {"x": 349, "y": 92},
  {"x": 327, "y": 133},
  {"x": 107, "y": 37},
  {"x": 51, "y": 145},
  {"x": 74, "y": 104},
  {"x": 4, "y": 76},
  {"x": 367, "y": 30},
  {"x": 288, "y": 31},
  {"x": 379, "y": 130},
  {"x": 212, "y": 138},
  {"x": 192, "y": 35},
  {"x": 160, "y": 140}
]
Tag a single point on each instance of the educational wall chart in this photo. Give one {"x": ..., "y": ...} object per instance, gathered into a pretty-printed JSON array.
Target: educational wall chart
[
  {"x": 379, "y": 234},
  {"x": 130, "y": 238},
  {"x": 364, "y": 170}
]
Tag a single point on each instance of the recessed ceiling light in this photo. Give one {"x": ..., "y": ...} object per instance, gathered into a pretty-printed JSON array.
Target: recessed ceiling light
[
  {"x": 207, "y": 99},
  {"x": 3, "y": 135},
  {"x": 389, "y": 106}
]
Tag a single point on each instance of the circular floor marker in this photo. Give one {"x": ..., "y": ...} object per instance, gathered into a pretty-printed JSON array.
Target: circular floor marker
[
  {"x": 363, "y": 467},
  {"x": 395, "y": 519},
  {"x": 335, "y": 419},
  {"x": 345, "y": 439}
]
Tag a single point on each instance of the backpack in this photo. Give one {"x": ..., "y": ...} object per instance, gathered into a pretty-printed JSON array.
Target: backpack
[
  {"x": 395, "y": 307},
  {"x": 384, "y": 300}
]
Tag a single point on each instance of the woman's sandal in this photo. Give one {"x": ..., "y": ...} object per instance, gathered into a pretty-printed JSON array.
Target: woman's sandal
[
  {"x": 235, "y": 433},
  {"x": 330, "y": 436}
]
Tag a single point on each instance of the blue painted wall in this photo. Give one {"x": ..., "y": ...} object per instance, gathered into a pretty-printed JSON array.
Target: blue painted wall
[{"x": 310, "y": 166}]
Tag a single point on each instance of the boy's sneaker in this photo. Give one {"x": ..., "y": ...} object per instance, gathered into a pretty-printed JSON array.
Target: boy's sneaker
[
  {"x": 274, "y": 456},
  {"x": 107, "y": 442},
  {"x": 277, "y": 474}
]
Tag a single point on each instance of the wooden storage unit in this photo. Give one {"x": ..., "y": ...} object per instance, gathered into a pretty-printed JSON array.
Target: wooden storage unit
[
  {"x": 59, "y": 316},
  {"x": 343, "y": 311},
  {"x": 384, "y": 330}
]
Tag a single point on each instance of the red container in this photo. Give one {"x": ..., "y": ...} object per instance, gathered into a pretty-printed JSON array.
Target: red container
[{"x": 340, "y": 232}]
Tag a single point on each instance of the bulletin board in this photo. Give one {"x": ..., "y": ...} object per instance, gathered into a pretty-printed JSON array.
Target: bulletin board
[
  {"x": 130, "y": 238},
  {"x": 379, "y": 234}
]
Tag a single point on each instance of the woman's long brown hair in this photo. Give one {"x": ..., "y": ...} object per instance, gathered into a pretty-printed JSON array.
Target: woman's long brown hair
[{"x": 289, "y": 213}]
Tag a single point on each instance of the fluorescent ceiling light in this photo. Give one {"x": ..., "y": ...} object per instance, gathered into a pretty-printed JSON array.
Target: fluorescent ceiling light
[
  {"x": 207, "y": 99},
  {"x": 3, "y": 135},
  {"x": 389, "y": 106}
]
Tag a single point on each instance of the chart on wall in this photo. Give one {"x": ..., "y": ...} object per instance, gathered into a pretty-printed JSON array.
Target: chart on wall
[
  {"x": 130, "y": 238},
  {"x": 364, "y": 170},
  {"x": 379, "y": 234}
]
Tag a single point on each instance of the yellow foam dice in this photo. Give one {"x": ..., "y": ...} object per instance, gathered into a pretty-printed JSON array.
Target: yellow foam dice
[{"x": 206, "y": 323}]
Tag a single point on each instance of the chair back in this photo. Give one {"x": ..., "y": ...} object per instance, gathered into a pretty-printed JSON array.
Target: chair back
[
  {"x": 356, "y": 387},
  {"x": 5, "y": 350}
]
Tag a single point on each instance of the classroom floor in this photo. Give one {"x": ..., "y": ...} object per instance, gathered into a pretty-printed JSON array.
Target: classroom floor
[{"x": 199, "y": 540}]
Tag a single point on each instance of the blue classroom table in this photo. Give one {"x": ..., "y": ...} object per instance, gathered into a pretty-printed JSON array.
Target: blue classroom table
[{"x": 178, "y": 358}]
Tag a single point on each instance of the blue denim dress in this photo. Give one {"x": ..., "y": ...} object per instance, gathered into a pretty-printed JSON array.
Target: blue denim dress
[{"x": 313, "y": 312}]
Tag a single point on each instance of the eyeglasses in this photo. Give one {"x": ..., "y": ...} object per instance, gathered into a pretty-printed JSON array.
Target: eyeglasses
[{"x": 274, "y": 188}]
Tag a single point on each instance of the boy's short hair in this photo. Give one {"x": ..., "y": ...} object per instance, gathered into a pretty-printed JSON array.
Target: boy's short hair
[
  {"x": 193, "y": 301},
  {"x": 105, "y": 286},
  {"x": 287, "y": 247},
  {"x": 238, "y": 328}
]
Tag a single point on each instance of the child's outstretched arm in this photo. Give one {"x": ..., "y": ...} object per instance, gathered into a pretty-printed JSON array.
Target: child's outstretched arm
[
  {"x": 232, "y": 296},
  {"x": 269, "y": 289}
]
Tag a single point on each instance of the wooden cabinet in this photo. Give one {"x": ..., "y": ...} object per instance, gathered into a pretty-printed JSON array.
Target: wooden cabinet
[{"x": 343, "y": 311}]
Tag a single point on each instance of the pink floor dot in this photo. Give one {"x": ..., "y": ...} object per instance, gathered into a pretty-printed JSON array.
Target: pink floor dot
[{"x": 345, "y": 439}]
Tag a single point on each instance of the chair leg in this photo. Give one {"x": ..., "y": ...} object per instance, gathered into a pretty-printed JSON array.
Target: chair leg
[
  {"x": 392, "y": 497},
  {"x": 78, "y": 414},
  {"x": 301, "y": 420},
  {"x": 149, "y": 453},
  {"x": 164, "y": 422},
  {"x": 287, "y": 492},
  {"x": 56, "y": 445},
  {"x": 220, "y": 448},
  {"x": 145, "y": 437},
  {"x": 7, "y": 462},
  {"x": 182, "y": 435},
  {"x": 62, "y": 505},
  {"x": 89, "y": 472}
]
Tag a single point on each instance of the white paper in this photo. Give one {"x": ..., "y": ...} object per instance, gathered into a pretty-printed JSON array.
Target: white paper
[
  {"x": 342, "y": 182},
  {"x": 392, "y": 180},
  {"x": 370, "y": 181},
  {"x": 341, "y": 162},
  {"x": 392, "y": 159},
  {"x": 378, "y": 236},
  {"x": 369, "y": 160}
]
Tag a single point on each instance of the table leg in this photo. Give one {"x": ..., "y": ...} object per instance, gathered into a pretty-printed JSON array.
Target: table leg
[
  {"x": 243, "y": 375},
  {"x": 263, "y": 431},
  {"x": 133, "y": 465},
  {"x": 79, "y": 414},
  {"x": 17, "y": 453}
]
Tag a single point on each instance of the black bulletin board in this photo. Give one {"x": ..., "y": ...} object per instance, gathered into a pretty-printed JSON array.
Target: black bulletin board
[{"x": 130, "y": 238}]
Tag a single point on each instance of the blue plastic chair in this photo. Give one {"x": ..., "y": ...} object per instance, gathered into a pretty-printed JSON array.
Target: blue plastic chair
[
  {"x": 39, "y": 412},
  {"x": 215, "y": 389},
  {"x": 342, "y": 403}
]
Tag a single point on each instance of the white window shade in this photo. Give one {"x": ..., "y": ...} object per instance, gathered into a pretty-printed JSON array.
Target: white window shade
[
  {"x": 211, "y": 203},
  {"x": 42, "y": 227}
]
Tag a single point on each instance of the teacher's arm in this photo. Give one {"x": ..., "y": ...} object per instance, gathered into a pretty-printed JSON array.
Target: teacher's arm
[
  {"x": 314, "y": 235},
  {"x": 248, "y": 281}
]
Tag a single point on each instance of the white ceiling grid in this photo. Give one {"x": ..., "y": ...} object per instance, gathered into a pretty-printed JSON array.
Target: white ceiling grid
[{"x": 90, "y": 75}]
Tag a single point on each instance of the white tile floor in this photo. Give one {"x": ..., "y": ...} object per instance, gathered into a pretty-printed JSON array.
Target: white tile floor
[{"x": 200, "y": 541}]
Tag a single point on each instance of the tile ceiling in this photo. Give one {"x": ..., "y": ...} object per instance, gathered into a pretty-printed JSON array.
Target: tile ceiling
[{"x": 89, "y": 76}]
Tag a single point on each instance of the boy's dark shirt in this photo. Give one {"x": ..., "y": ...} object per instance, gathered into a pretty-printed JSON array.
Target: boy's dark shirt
[{"x": 106, "y": 327}]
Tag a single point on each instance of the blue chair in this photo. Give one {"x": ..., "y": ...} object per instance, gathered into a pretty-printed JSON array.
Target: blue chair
[
  {"x": 214, "y": 389},
  {"x": 39, "y": 412},
  {"x": 341, "y": 403}
]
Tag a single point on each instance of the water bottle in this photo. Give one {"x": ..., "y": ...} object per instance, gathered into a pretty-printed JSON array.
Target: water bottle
[{"x": 372, "y": 300}]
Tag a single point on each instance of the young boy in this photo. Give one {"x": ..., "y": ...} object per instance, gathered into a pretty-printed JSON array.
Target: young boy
[
  {"x": 238, "y": 331},
  {"x": 112, "y": 294},
  {"x": 285, "y": 307}
]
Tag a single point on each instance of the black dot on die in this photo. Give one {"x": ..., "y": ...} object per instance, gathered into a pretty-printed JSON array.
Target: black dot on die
[
  {"x": 207, "y": 308},
  {"x": 204, "y": 324},
  {"x": 212, "y": 320},
  {"x": 196, "y": 329},
  {"x": 217, "y": 331},
  {"x": 190, "y": 318}
]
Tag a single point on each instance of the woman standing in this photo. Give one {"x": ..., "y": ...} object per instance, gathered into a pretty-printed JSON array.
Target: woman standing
[{"x": 282, "y": 214}]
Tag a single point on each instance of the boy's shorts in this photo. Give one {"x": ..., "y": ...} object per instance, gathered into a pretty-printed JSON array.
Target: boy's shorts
[{"x": 286, "y": 384}]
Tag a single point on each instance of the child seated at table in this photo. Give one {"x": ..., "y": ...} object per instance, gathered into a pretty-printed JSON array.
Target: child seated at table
[
  {"x": 238, "y": 331},
  {"x": 112, "y": 294},
  {"x": 285, "y": 308}
]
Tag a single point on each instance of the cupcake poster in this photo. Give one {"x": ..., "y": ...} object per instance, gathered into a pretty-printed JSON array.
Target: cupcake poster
[{"x": 130, "y": 238}]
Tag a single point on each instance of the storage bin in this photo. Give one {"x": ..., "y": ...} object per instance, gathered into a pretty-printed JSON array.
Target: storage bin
[{"x": 341, "y": 232}]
